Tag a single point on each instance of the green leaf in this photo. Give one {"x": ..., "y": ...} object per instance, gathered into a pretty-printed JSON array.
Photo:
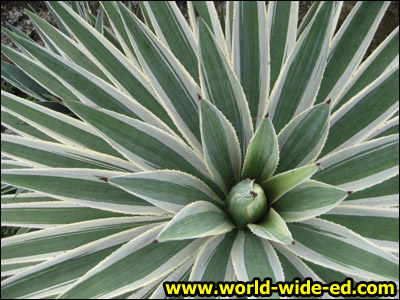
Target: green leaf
[
  {"x": 149, "y": 261},
  {"x": 300, "y": 78},
  {"x": 26, "y": 197},
  {"x": 381, "y": 60},
  {"x": 221, "y": 86},
  {"x": 68, "y": 47},
  {"x": 308, "y": 17},
  {"x": 282, "y": 183},
  {"x": 229, "y": 9},
  {"x": 308, "y": 200},
  {"x": 348, "y": 47},
  {"x": 118, "y": 26},
  {"x": 13, "y": 164},
  {"x": 262, "y": 154},
  {"x": 198, "y": 219},
  {"x": 220, "y": 146},
  {"x": 173, "y": 30},
  {"x": 293, "y": 267},
  {"x": 125, "y": 75},
  {"x": 282, "y": 26},
  {"x": 387, "y": 128},
  {"x": 48, "y": 243},
  {"x": 329, "y": 275},
  {"x": 49, "y": 214},
  {"x": 22, "y": 128},
  {"x": 363, "y": 113},
  {"x": 250, "y": 56},
  {"x": 146, "y": 17},
  {"x": 254, "y": 257},
  {"x": 177, "y": 91},
  {"x": 169, "y": 190},
  {"x": 180, "y": 274},
  {"x": 58, "y": 126},
  {"x": 272, "y": 228},
  {"x": 90, "y": 189},
  {"x": 146, "y": 146},
  {"x": 99, "y": 20},
  {"x": 37, "y": 73},
  {"x": 22, "y": 81},
  {"x": 91, "y": 89},
  {"x": 205, "y": 10},
  {"x": 379, "y": 225},
  {"x": 381, "y": 194},
  {"x": 12, "y": 269},
  {"x": 358, "y": 167},
  {"x": 338, "y": 248},
  {"x": 58, "y": 21},
  {"x": 302, "y": 140},
  {"x": 213, "y": 262},
  {"x": 45, "y": 154},
  {"x": 58, "y": 274}
]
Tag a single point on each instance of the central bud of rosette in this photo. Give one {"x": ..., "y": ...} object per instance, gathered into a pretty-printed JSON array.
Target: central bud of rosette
[{"x": 246, "y": 203}]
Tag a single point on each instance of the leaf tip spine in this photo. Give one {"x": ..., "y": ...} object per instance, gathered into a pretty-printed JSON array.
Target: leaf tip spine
[{"x": 105, "y": 179}]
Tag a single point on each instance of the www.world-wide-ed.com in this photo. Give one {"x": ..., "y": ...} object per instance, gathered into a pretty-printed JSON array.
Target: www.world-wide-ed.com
[{"x": 266, "y": 288}]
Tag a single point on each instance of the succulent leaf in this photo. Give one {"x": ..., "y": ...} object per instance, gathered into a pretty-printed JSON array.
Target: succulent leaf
[
  {"x": 361, "y": 114},
  {"x": 272, "y": 227},
  {"x": 199, "y": 219},
  {"x": 358, "y": 167},
  {"x": 88, "y": 188},
  {"x": 302, "y": 140},
  {"x": 262, "y": 154},
  {"x": 299, "y": 80},
  {"x": 282, "y": 25},
  {"x": 213, "y": 261},
  {"x": 308, "y": 200},
  {"x": 246, "y": 203},
  {"x": 385, "y": 193},
  {"x": 379, "y": 225},
  {"x": 254, "y": 257},
  {"x": 221, "y": 86},
  {"x": 173, "y": 30},
  {"x": 282, "y": 183},
  {"x": 348, "y": 47},
  {"x": 220, "y": 146},
  {"x": 251, "y": 55},
  {"x": 176, "y": 90},
  {"x": 133, "y": 255},
  {"x": 169, "y": 190},
  {"x": 339, "y": 248}
]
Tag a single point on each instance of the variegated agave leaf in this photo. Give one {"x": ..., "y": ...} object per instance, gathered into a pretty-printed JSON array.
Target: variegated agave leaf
[{"x": 165, "y": 149}]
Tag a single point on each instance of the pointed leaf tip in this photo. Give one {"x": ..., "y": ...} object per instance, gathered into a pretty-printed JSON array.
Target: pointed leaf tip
[{"x": 105, "y": 179}]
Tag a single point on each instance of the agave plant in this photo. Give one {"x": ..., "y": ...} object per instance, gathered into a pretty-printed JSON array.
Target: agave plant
[{"x": 190, "y": 152}]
